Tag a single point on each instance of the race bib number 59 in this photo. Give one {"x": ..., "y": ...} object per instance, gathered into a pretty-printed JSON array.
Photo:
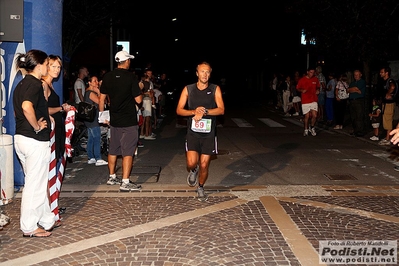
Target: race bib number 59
[{"x": 202, "y": 126}]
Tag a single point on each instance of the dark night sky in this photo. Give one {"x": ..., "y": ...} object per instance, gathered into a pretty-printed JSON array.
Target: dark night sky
[
  {"x": 227, "y": 37},
  {"x": 233, "y": 38}
]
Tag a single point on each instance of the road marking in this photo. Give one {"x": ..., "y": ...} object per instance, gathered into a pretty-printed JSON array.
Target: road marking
[
  {"x": 241, "y": 122},
  {"x": 270, "y": 122}
]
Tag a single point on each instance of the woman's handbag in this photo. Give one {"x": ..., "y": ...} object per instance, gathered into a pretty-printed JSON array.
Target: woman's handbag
[
  {"x": 86, "y": 111},
  {"x": 342, "y": 93}
]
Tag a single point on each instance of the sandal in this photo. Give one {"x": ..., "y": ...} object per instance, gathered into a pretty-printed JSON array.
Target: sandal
[
  {"x": 55, "y": 225},
  {"x": 38, "y": 233}
]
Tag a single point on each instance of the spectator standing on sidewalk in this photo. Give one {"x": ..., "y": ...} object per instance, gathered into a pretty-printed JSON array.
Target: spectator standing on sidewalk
[
  {"x": 341, "y": 100},
  {"x": 286, "y": 93},
  {"x": 388, "y": 103},
  {"x": 296, "y": 95},
  {"x": 164, "y": 88},
  {"x": 32, "y": 144},
  {"x": 124, "y": 93},
  {"x": 357, "y": 91},
  {"x": 147, "y": 88},
  {"x": 309, "y": 86},
  {"x": 92, "y": 96},
  {"x": 375, "y": 117},
  {"x": 330, "y": 97},
  {"x": 80, "y": 85},
  {"x": 55, "y": 108},
  {"x": 204, "y": 103},
  {"x": 321, "y": 97},
  {"x": 273, "y": 89}
]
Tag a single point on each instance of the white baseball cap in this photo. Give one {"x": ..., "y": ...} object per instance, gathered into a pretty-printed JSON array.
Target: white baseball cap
[{"x": 123, "y": 56}]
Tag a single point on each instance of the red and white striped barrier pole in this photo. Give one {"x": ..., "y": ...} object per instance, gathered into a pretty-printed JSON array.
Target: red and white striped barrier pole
[{"x": 55, "y": 180}]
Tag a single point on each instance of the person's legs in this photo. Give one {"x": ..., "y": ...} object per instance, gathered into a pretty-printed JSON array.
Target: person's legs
[
  {"x": 329, "y": 109},
  {"x": 114, "y": 149},
  {"x": 192, "y": 160},
  {"x": 358, "y": 112},
  {"x": 96, "y": 131},
  {"x": 35, "y": 159},
  {"x": 314, "y": 117},
  {"x": 112, "y": 163},
  {"x": 388, "y": 119},
  {"x": 147, "y": 123},
  {"x": 127, "y": 164},
  {"x": 205, "y": 160},
  {"x": 286, "y": 97},
  {"x": 90, "y": 144},
  {"x": 306, "y": 113},
  {"x": 306, "y": 121}
]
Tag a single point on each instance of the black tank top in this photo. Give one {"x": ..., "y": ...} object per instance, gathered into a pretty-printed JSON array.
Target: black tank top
[{"x": 205, "y": 98}]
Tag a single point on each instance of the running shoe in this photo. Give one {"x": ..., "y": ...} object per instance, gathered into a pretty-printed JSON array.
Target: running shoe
[
  {"x": 113, "y": 180},
  {"x": 192, "y": 177},
  {"x": 129, "y": 186},
  {"x": 201, "y": 194}
]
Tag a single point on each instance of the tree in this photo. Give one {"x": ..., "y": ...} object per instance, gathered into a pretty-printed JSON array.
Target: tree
[
  {"x": 82, "y": 21},
  {"x": 355, "y": 33}
]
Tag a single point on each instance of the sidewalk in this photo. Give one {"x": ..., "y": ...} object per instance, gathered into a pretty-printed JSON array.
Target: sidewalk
[
  {"x": 276, "y": 225},
  {"x": 164, "y": 224}
]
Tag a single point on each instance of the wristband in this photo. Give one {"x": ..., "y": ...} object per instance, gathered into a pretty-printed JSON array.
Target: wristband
[
  {"x": 62, "y": 109},
  {"x": 37, "y": 131}
]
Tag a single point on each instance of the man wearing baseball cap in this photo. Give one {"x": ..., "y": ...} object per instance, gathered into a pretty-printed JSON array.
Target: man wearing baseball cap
[
  {"x": 122, "y": 88},
  {"x": 122, "y": 56}
]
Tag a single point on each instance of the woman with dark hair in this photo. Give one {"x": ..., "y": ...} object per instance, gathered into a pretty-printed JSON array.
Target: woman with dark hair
[
  {"x": 92, "y": 95},
  {"x": 32, "y": 144}
]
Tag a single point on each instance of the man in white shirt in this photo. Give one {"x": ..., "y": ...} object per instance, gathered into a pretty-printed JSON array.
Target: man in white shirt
[{"x": 80, "y": 86}]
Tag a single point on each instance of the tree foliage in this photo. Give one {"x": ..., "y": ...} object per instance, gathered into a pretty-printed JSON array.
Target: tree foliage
[
  {"x": 353, "y": 33},
  {"x": 83, "y": 20}
]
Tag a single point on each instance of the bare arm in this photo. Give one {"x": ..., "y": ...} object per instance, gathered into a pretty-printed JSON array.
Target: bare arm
[
  {"x": 180, "y": 109},
  {"x": 219, "y": 110},
  {"x": 139, "y": 99},
  {"x": 102, "y": 102},
  {"x": 80, "y": 95}
]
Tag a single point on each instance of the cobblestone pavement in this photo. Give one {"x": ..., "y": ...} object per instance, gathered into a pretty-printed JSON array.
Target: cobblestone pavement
[{"x": 166, "y": 225}]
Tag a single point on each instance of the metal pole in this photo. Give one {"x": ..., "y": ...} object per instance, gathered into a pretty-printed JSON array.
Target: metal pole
[{"x": 111, "y": 46}]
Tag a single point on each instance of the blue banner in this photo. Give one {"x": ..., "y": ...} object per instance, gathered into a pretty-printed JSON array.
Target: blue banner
[{"x": 42, "y": 31}]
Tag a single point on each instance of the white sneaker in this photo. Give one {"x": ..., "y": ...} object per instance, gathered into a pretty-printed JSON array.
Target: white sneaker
[
  {"x": 296, "y": 114},
  {"x": 101, "y": 162},
  {"x": 305, "y": 133},
  {"x": 91, "y": 161},
  {"x": 313, "y": 131},
  {"x": 384, "y": 142},
  {"x": 129, "y": 186},
  {"x": 287, "y": 114},
  {"x": 374, "y": 138},
  {"x": 149, "y": 138},
  {"x": 114, "y": 180},
  {"x": 141, "y": 136}
]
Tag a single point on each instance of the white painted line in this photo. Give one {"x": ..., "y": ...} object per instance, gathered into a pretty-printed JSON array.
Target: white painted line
[
  {"x": 270, "y": 122},
  {"x": 294, "y": 121},
  {"x": 241, "y": 122}
]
